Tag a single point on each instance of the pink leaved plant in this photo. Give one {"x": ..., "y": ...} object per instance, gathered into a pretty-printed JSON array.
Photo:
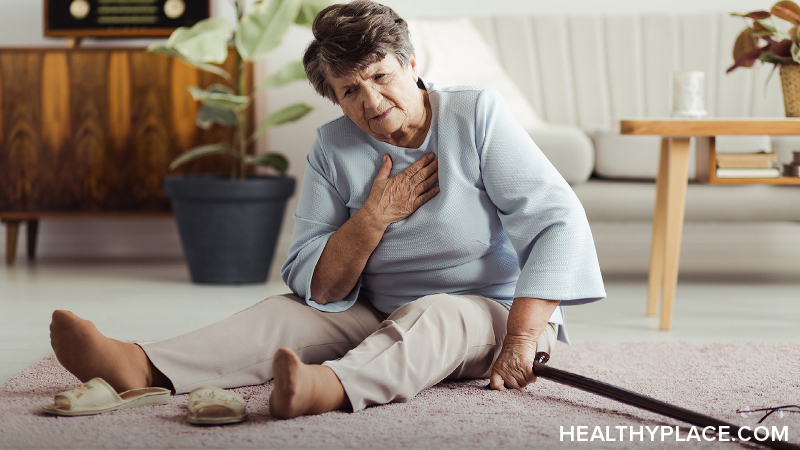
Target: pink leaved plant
[{"x": 764, "y": 41}]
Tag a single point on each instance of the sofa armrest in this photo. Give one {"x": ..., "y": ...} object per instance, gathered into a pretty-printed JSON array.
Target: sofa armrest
[{"x": 569, "y": 149}]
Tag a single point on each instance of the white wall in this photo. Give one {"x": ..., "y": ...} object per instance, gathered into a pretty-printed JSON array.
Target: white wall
[
  {"x": 477, "y": 7},
  {"x": 21, "y": 25},
  {"x": 21, "y": 21}
]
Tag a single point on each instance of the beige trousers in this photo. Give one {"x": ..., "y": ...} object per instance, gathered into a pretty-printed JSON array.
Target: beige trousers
[{"x": 378, "y": 359}]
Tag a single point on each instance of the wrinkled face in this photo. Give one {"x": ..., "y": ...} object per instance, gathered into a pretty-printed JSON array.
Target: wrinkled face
[{"x": 383, "y": 100}]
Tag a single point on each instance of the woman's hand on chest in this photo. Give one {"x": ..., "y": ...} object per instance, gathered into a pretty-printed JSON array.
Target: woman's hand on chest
[{"x": 392, "y": 199}]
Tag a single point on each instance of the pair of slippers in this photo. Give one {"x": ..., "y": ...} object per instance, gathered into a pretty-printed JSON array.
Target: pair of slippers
[{"x": 207, "y": 405}]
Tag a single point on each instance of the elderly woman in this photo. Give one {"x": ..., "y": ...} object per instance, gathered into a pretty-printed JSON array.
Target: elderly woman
[{"x": 432, "y": 240}]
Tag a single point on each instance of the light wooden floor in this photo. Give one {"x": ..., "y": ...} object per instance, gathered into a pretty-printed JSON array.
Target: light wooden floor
[{"x": 152, "y": 299}]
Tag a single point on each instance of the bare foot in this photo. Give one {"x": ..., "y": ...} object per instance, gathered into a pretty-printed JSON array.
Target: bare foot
[
  {"x": 87, "y": 354},
  {"x": 302, "y": 389}
]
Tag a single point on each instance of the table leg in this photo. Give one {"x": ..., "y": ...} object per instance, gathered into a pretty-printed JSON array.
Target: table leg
[
  {"x": 12, "y": 230},
  {"x": 677, "y": 179},
  {"x": 656, "y": 276},
  {"x": 32, "y": 231}
]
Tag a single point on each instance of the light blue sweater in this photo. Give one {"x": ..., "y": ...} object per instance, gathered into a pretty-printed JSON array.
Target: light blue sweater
[{"x": 505, "y": 224}]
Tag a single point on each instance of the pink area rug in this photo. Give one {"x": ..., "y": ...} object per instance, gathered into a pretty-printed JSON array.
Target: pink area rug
[{"x": 714, "y": 379}]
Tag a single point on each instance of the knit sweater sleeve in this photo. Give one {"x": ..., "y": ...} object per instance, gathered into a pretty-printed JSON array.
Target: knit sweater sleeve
[
  {"x": 320, "y": 212},
  {"x": 539, "y": 212}
]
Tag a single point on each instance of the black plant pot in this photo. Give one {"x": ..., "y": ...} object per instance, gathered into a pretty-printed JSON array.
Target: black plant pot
[{"x": 229, "y": 228}]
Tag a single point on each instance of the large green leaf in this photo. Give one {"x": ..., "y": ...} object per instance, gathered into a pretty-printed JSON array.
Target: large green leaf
[
  {"x": 274, "y": 160},
  {"x": 292, "y": 71},
  {"x": 209, "y": 115},
  {"x": 206, "y": 41},
  {"x": 158, "y": 48},
  {"x": 220, "y": 100},
  {"x": 264, "y": 27},
  {"x": 198, "y": 152},
  {"x": 286, "y": 115},
  {"x": 309, "y": 10}
]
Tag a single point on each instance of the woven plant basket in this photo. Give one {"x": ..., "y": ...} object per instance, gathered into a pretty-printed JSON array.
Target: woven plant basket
[{"x": 790, "y": 81}]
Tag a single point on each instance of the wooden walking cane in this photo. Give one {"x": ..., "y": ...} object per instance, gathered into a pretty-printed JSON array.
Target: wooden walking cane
[{"x": 648, "y": 403}]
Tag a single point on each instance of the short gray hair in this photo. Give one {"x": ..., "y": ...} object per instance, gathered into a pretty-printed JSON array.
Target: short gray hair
[{"x": 349, "y": 37}]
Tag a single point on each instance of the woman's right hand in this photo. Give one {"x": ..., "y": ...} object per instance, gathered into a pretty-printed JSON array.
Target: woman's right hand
[{"x": 393, "y": 199}]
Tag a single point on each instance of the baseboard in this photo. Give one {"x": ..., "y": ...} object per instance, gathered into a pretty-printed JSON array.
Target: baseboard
[
  {"x": 771, "y": 248},
  {"x": 117, "y": 239}
]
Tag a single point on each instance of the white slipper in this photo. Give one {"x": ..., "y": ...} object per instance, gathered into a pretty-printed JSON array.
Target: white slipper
[
  {"x": 96, "y": 396},
  {"x": 210, "y": 405}
]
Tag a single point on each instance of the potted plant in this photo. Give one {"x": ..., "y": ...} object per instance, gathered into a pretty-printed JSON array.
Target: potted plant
[
  {"x": 763, "y": 40},
  {"x": 229, "y": 226}
]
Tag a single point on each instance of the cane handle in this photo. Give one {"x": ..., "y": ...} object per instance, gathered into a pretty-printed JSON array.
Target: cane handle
[{"x": 542, "y": 357}]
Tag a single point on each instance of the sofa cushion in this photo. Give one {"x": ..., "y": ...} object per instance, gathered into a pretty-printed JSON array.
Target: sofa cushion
[
  {"x": 636, "y": 157},
  {"x": 569, "y": 149},
  {"x": 620, "y": 201},
  {"x": 451, "y": 52},
  {"x": 629, "y": 157}
]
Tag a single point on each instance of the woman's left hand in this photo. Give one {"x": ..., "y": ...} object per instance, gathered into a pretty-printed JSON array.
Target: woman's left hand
[{"x": 514, "y": 367}]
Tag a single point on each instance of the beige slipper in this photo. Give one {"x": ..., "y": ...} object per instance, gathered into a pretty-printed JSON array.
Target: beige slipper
[
  {"x": 96, "y": 396},
  {"x": 210, "y": 405}
]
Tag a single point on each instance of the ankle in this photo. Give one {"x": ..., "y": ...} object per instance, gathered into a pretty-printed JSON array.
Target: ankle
[
  {"x": 158, "y": 379},
  {"x": 152, "y": 376},
  {"x": 328, "y": 386}
]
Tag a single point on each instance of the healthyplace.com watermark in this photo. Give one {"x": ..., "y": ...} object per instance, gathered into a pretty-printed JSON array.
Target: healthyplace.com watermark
[{"x": 586, "y": 433}]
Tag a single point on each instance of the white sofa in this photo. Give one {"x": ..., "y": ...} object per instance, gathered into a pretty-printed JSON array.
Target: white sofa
[{"x": 581, "y": 74}]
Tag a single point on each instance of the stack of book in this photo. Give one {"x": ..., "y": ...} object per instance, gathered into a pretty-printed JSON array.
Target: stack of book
[{"x": 747, "y": 165}]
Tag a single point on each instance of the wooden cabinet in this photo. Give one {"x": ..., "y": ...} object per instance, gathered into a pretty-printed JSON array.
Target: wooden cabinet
[{"x": 90, "y": 132}]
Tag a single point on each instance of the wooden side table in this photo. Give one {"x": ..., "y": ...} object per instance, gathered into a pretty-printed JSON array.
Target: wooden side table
[{"x": 671, "y": 182}]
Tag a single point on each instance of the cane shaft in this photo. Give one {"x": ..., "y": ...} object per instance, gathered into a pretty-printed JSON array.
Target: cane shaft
[{"x": 648, "y": 403}]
